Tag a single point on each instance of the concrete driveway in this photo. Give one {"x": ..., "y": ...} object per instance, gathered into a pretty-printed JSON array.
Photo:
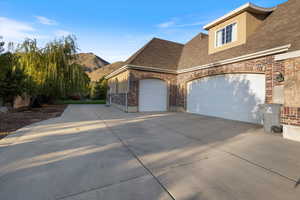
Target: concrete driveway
[{"x": 95, "y": 152}]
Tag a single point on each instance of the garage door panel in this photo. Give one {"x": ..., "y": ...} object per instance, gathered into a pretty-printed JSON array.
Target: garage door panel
[
  {"x": 152, "y": 95},
  {"x": 235, "y": 96}
]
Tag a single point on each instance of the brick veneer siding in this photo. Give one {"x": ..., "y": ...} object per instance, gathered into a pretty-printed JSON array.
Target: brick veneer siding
[
  {"x": 136, "y": 75},
  {"x": 177, "y": 84},
  {"x": 266, "y": 65},
  {"x": 119, "y": 99},
  {"x": 258, "y": 66},
  {"x": 290, "y": 114},
  {"x": 272, "y": 70}
]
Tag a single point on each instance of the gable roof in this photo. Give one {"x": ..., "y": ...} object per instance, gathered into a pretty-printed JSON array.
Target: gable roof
[
  {"x": 105, "y": 70},
  {"x": 246, "y": 7},
  {"x": 281, "y": 27},
  {"x": 157, "y": 53},
  {"x": 194, "y": 52}
]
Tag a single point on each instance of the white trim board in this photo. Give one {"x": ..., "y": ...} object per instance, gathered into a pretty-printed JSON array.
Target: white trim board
[
  {"x": 154, "y": 69},
  {"x": 258, "y": 54},
  {"x": 291, "y": 132},
  {"x": 239, "y": 58},
  {"x": 116, "y": 72},
  {"x": 151, "y": 69},
  {"x": 245, "y": 7},
  {"x": 285, "y": 56}
]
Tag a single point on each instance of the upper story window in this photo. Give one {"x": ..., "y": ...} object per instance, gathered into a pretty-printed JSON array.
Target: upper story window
[{"x": 226, "y": 35}]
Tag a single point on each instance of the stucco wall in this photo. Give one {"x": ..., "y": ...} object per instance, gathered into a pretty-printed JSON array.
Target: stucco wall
[
  {"x": 292, "y": 83},
  {"x": 291, "y": 109},
  {"x": 240, "y": 20},
  {"x": 246, "y": 25}
]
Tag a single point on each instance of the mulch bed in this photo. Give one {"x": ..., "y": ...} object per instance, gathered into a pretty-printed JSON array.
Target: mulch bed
[{"x": 12, "y": 121}]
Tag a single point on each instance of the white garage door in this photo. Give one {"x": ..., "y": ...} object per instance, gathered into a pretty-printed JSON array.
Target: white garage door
[
  {"x": 232, "y": 96},
  {"x": 152, "y": 95}
]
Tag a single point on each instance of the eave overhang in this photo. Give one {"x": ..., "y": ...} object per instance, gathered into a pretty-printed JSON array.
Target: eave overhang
[
  {"x": 267, "y": 52},
  {"x": 247, "y": 7}
]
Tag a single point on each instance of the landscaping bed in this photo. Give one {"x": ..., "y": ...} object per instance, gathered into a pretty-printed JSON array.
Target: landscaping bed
[{"x": 12, "y": 121}]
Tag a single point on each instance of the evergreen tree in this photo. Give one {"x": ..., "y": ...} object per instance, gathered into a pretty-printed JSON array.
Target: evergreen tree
[
  {"x": 12, "y": 78},
  {"x": 99, "y": 89}
]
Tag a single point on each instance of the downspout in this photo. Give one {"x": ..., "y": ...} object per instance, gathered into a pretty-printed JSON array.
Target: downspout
[
  {"x": 126, "y": 102},
  {"x": 128, "y": 84}
]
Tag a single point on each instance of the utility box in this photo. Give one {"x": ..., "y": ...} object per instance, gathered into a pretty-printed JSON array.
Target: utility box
[{"x": 271, "y": 116}]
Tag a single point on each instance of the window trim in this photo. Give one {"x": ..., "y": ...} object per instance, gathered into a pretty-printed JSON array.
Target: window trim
[{"x": 234, "y": 39}]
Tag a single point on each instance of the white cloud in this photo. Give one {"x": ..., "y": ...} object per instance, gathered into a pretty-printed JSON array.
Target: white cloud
[
  {"x": 167, "y": 24},
  {"x": 45, "y": 20},
  {"x": 190, "y": 20},
  {"x": 175, "y": 24},
  {"x": 62, "y": 33},
  {"x": 192, "y": 24},
  {"x": 16, "y": 30}
]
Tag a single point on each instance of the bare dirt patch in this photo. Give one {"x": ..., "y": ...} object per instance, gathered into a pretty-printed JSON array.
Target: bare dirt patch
[{"x": 15, "y": 120}]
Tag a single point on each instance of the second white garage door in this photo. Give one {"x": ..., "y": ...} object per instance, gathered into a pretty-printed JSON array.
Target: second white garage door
[
  {"x": 232, "y": 96},
  {"x": 152, "y": 95}
]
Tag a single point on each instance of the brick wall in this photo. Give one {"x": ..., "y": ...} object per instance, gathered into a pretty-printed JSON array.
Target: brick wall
[
  {"x": 290, "y": 113},
  {"x": 136, "y": 75},
  {"x": 290, "y": 116},
  {"x": 272, "y": 70},
  {"x": 119, "y": 99}
]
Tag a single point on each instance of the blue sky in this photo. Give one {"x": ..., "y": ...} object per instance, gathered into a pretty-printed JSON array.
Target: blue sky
[{"x": 112, "y": 29}]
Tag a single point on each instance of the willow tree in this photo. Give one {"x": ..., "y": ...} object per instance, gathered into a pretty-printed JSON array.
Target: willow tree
[
  {"x": 51, "y": 70},
  {"x": 31, "y": 59}
]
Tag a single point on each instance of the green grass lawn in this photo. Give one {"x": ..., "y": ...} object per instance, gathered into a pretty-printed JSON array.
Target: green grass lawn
[{"x": 81, "y": 102}]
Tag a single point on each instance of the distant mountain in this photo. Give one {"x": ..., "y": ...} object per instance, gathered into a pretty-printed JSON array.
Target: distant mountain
[
  {"x": 105, "y": 70},
  {"x": 90, "y": 62}
]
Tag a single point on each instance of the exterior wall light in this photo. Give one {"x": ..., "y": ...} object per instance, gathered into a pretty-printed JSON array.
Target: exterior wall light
[{"x": 279, "y": 77}]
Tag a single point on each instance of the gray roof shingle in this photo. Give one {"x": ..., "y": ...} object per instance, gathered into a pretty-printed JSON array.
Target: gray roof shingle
[
  {"x": 280, "y": 28},
  {"x": 157, "y": 53}
]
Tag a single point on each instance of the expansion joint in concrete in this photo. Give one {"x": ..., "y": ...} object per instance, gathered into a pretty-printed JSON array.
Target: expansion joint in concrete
[
  {"x": 262, "y": 167},
  {"x": 99, "y": 188},
  {"x": 136, "y": 157}
]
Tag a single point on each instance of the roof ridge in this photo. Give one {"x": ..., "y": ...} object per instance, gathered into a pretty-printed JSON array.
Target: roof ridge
[
  {"x": 201, "y": 34},
  {"x": 138, "y": 52},
  {"x": 156, "y": 38}
]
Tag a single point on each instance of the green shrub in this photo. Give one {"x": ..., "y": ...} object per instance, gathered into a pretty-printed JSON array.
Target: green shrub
[{"x": 99, "y": 89}]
